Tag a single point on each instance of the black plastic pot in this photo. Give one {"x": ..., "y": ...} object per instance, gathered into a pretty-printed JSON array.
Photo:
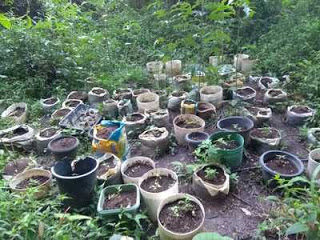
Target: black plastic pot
[
  {"x": 194, "y": 139},
  {"x": 65, "y": 153},
  {"x": 78, "y": 184},
  {"x": 244, "y": 122},
  {"x": 268, "y": 174}
]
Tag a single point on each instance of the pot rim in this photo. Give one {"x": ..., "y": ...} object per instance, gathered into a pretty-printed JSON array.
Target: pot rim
[
  {"x": 235, "y": 117},
  {"x": 256, "y": 129},
  {"x": 198, "y": 119},
  {"x": 132, "y": 161},
  {"x": 310, "y": 155},
  {"x": 234, "y": 133},
  {"x": 75, "y": 177},
  {"x": 293, "y": 158},
  {"x": 65, "y": 149},
  {"x": 188, "y": 139}
]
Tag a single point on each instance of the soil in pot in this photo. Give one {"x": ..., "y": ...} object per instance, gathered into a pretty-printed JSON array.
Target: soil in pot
[
  {"x": 244, "y": 91},
  {"x": 208, "y": 91},
  {"x": 120, "y": 200},
  {"x": 281, "y": 164},
  {"x": 140, "y": 91},
  {"x": 197, "y": 136},
  {"x": 266, "y": 81},
  {"x": 32, "y": 182},
  {"x": 50, "y": 101},
  {"x": 236, "y": 127},
  {"x": 78, "y": 95},
  {"x": 106, "y": 165},
  {"x": 15, "y": 167},
  {"x": 138, "y": 169},
  {"x": 48, "y": 133},
  {"x": 98, "y": 91},
  {"x": 225, "y": 144},
  {"x": 178, "y": 94},
  {"x": 17, "y": 112},
  {"x": 154, "y": 133},
  {"x": 181, "y": 216},
  {"x": 275, "y": 93},
  {"x": 72, "y": 103},
  {"x": 185, "y": 123},
  {"x": 267, "y": 133},
  {"x": 63, "y": 143},
  {"x": 17, "y": 132},
  {"x": 301, "y": 109},
  {"x": 134, "y": 117},
  {"x": 62, "y": 112},
  {"x": 157, "y": 184},
  {"x": 212, "y": 174},
  {"x": 105, "y": 133}
]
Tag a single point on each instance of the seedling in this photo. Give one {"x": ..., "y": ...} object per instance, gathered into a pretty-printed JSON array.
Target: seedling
[
  {"x": 184, "y": 205},
  {"x": 210, "y": 173}
]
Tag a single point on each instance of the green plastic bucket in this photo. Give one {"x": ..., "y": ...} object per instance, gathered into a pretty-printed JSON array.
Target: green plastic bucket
[{"x": 230, "y": 158}]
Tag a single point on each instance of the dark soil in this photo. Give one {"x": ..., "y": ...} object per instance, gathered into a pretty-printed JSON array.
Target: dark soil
[
  {"x": 208, "y": 91},
  {"x": 17, "y": 112},
  {"x": 122, "y": 91},
  {"x": 198, "y": 136},
  {"x": 105, "y": 133},
  {"x": 181, "y": 216},
  {"x": 63, "y": 143},
  {"x": 138, "y": 169},
  {"x": 281, "y": 165},
  {"x": 219, "y": 178},
  {"x": 140, "y": 91},
  {"x": 78, "y": 95},
  {"x": 51, "y": 101},
  {"x": 275, "y": 93},
  {"x": 62, "y": 112},
  {"x": 155, "y": 133},
  {"x": 72, "y": 103},
  {"x": 134, "y": 117},
  {"x": 121, "y": 200},
  {"x": 48, "y": 132},
  {"x": 157, "y": 184},
  {"x": 105, "y": 166},
  {"x": 267, "y": 133},
  {"x": 203, "y": 107},
  {"x": 32, "y": 182},
  {"x": 160, "y": 92},
  {"x": 15, "y": 167},
  {"x": 98, "y": 91},
  {"x": 188, "y": 124},
  {"x": 147, "y": 100},
  {"x": 226, "y": 144},
  {"x": 300, "y": 109},
  {"x": 178, "y": 94},
  {"x": 245, "y": 91},
  {"x": 266, "y": 81},
  {"x": 17, "y": 132}
]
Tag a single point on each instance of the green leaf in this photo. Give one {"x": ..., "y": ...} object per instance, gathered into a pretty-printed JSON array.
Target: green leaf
[
  {"x": 210, "y": 236},
  {"x": 297, "y": 228},
  {"x": 76, "y": 217},
  {"x": 5, "y": 22}
]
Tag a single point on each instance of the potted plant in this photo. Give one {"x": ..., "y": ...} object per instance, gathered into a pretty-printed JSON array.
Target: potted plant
[
  {"x": 180, "y": 216},
  {"x": 313, "y": 162},
  {"x": 267, "y": 82},
  {"x": 187, "y": 123},
  {"x": 80, "y": 95},
  {"x": 212, "y": 94},
  {"x": 173, "y": 67},
  {"x": 116, "y": 199},
  {"x": 44, "y": 136},
  {"x": 175, "y": 100},
  {"x": 110, "y": 108},
  {"x": 281, "y": 163},
  {"x": 49, "y": 104},
  {"x": 64, "y": 147},
  {"x": 136, "y": 93},
  {"x": 265, "y": 139},
  {"x": 188, "y": 107},
  {"x": 237, "y": 124},
  {"x": 273, "y": 96},
  {"x": 36, "y": 178},
  {"x": 60, "y": 114},
  {"x": 133, "y": 169},
  {"x": 109, "y": 169},
  {"x": 247, "y": 94},
  {"x": 97, "y": 95},
  {"x": 299, "y": 115},
  {"x": 182, "y": 82},
  {"x": 194, "y": 139},
  {"x": 211, "y": 181},
  {"x": 154, "y": 67},
  {"x": 156, "y": 139},
  {"x": 155, "y": 185},
  {"x": 124, "y": 107},
  {"x": 135, "y": 124},
  {"x": 15, "y": 167},
  {"x": 159, "y": 118},
  {"x": 259, "y": 115},
  {"x": 205, "y": 110},
  {"x": 314, "y": 136},
  {"x": 77, "y": 180},
  {"x": 122, "y": 93},
  {"x": 147, "y": 101},
  {"x": 71, "y": 103},
  {"x": 163, "y": 99},
  {"x": 17, "y": 111}
]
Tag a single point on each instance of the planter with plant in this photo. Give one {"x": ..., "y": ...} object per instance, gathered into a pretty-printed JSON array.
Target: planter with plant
[
  {"x": 265, "y": 139},
  {"x": 35, "y": 178},
  {"x": 133, "y": 168},
  {"x": 124, "y": 107},
  {"x": 156, "y": 139},
  {"x": 313, "y": 162},
  {"x": 44, "y": 136},
  {"x": 182, "y": 82},
  {"x": 110, "y": 108},
  {"x": 97, "y": 95},
  {"x": 118, "y": 199},
  {"x": 247, "y": 94},
  {"x": 194, "y": 139},
  {"x": 159, "y": 118},
  {"x": 17, "y": 111},
  {"x": 147, "y": 101},
  {"x": 212, "y": 94},
  {"x": 163, "y": 98},
  {"x": 211, "y": 181},
  {"x": 314, "y": 136},
  {"x": 188, "y": 107},
  {"x": 122, "y": 93},
  {"x": 281, "y": 163},
  {"x": 154, "y": 67},
  {"x": 79, "y": 95},
  {"x": 15, "y": 167},
  {"x": 49, "y": 104},
  {"x": 187, "y": 123},
  {"x": 259, "y": 115},
  {"x": 237, "y": 124},
  {"x": 175, "y": 99},
  {"x": 206, "y": 110},
  {"x": 222, "y": 147},
  {"x": 109, "y": 169},
  {"x": 76, "y": 180},
  {"x": 299, "y": 115},
  {"x": 156, "y": 185},
  {"x": 64, "y": 147},
  {"x": 268, "y": 82},
  {"x": 173, "y": 67},
  {"x": 275, "y": 96},
  {"x": 59, "y": 114},
  {"x": 180, "y": 216},
  {"x": 135, "y": 124}
]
